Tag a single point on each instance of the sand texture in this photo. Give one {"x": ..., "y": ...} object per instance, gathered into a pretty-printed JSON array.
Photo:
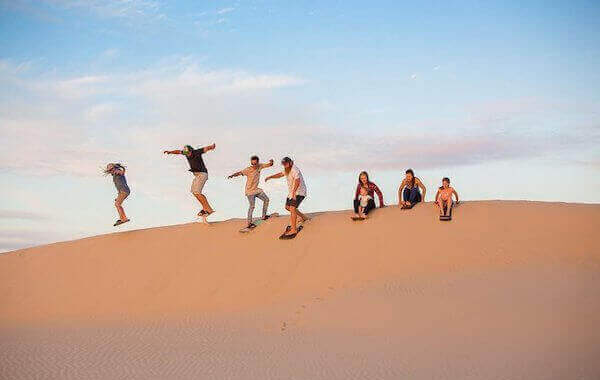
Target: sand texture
[{"x": 506, "y": 290}]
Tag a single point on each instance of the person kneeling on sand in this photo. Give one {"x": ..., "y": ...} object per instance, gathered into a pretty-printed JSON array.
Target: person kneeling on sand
[
  {"x": 372, "y": 189},
  {"x": 197, "y": 167},
  {"x": 118, "y": 173},
  {"x": 296, "y": 193},
  {"x": 252, "y": 174},
  {"x": 408, "y": 192},
  {"x": 443, "y": 198}
]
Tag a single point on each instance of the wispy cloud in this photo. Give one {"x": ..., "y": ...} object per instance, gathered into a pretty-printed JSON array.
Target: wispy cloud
[
  {"x": 225, "y": 10},
  {"x": 114, "y": 8},
  {"x": 18, "y": 238},
  {"x": 23, "y": 215},
  {"x": 74, "y": 129}
]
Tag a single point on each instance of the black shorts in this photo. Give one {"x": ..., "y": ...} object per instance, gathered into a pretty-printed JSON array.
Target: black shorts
[{"x": 294, "y": 202}]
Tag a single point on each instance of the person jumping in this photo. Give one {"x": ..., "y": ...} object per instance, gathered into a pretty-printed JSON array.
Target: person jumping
[
  {"x": 118, "y": 174},
  {"x": 197, "y": 167},
  {"x": 252, "y": 174},
  {"x": 296, "y": 194}
]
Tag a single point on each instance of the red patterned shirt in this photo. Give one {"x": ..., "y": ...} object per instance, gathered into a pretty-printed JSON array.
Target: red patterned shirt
[{"x": 372, "y": 189}]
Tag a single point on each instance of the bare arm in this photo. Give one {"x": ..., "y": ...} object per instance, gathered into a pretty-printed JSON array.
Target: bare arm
[
  {"x": 402, "y": 184},
  {"x": 173, "y": 152},
  {"x": 236, "y": 174},
  {"x": 455, "y": 194},
  {"x": 420, "y": 184},
  {"x": 268, "y": 164},
  {"x": 295, "y": 188},
  {"x": 277, "y": 175},
  {"x": 210, "y": 147},
  {"x": 436, "y": 198}
]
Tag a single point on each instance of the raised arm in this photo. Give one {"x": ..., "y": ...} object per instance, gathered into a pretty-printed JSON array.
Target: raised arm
[
  {"x": 379, "y": 195},
  {"x": 268, "y": 164},
  {"x": 277, "y": 175},
  {"x": 173, "y": 152},
  {"x": 210, "y": 147}
]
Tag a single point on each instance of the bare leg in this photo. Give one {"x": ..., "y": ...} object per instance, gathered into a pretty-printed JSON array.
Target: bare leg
[
  {"x": 301, "y": 215},
  {"x": 202, "y": 199},
  {"x": 118, "y": 204},
  {"x": 293, "y": 220},
  {"x": 448, "y": 206},
  {"x": 440, "y": 204}
]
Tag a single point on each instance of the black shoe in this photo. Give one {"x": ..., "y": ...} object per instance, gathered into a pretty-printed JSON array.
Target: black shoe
[{"x": 251, "y": 226}]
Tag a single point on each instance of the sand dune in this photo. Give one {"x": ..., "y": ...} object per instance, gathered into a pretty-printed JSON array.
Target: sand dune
[{"x": 507, "y": 290}]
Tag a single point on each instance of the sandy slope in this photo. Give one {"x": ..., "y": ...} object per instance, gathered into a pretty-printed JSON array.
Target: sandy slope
[{"x": 507, "y": 290}]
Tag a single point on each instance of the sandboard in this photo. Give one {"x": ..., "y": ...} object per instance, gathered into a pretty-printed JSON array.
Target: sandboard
[
  {"x": 448, "y": 217},
  {"x": 289, "y": 237},
  {"x": 258, "y": 222},
  {"x": 358, "y": 218}
]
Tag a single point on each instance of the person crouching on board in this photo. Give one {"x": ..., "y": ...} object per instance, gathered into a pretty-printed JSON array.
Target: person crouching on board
[
  {"x": 443, "y": 198},
  {"x": 118, "y": 174}
]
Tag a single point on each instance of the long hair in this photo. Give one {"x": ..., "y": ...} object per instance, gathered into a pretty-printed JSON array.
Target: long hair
[
  {"x": 112, "y": 166},
  {"x": 412, "y": 181},
  {"x": 366, "y": 175}
]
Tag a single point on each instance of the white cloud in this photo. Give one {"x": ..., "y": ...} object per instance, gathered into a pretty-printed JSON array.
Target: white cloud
[
  {"x": 225, "y": 10},
  {"x": 114, "y": 8},
  {"x": 24, "y": 215},
  {"x": 72, "y": 129}
]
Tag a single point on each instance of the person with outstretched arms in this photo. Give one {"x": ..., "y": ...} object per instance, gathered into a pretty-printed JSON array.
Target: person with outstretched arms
[
  {"x": 296, "y": 194},
  {"x": 198, "y": 168},
  {"x": 252, "y": 174}
]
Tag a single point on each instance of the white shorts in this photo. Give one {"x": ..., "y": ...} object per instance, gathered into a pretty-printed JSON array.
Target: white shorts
[{"x": 198, "y": 182}]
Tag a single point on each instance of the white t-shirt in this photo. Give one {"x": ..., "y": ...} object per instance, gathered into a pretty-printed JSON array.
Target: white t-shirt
[
  {"x": 291, "y": 178},
  {"x": 364, "y": 200}
]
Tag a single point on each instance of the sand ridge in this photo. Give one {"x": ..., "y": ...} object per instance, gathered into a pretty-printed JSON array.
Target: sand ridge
[{"x": 505, "y": 290}]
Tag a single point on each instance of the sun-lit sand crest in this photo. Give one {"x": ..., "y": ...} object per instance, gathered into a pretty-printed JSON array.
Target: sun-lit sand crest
[{"x": 506, "y": 290}]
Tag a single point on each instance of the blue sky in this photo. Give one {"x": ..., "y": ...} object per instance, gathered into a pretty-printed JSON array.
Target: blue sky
[{"x": 503, "y": 97}]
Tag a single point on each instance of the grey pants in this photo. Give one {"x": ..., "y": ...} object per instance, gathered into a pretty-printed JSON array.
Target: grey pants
[{"x": 252, "y": 200}]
